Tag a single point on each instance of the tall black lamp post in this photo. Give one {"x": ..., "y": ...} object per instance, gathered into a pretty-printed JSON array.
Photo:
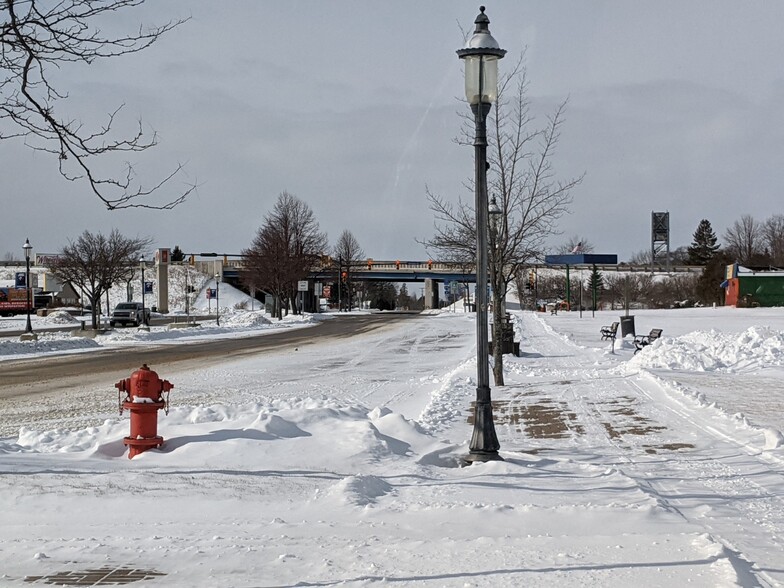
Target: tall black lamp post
[
  {"x": 144, "y": 311},
  {"x": 481, "y": 55},
  {"x": 27, "y": 248}
]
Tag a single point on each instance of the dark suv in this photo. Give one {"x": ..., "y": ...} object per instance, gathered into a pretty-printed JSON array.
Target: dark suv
[{"x": 130, "y": 312}]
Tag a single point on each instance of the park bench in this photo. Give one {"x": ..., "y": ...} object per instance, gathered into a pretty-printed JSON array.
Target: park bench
[
  {"x": 609, "y": 332},
  {"x": 641, "y": 341}
]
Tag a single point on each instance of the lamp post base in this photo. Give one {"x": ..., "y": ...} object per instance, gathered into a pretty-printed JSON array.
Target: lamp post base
[
  {"x": 481, "y": 456},
  {"x": 484, "y": 444}
]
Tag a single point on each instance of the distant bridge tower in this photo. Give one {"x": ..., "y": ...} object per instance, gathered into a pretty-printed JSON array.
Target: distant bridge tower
[{"x": 660, "y": 239}]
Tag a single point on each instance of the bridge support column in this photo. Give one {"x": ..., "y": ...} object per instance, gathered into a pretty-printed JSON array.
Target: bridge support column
[
  {"x": 162, "y": 275},
  {"x": 431, "y": 294}
]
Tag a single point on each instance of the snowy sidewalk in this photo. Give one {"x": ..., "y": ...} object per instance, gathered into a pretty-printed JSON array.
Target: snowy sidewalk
[{"x": 690, "y": 461}]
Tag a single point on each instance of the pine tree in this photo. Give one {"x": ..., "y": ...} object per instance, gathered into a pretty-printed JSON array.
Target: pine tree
[
  {"x": 596, "y": 284},
  {"x": 177, "y": 255},
  {"x": 403, "y": 298},
  {"x": 704, "y": 246}
]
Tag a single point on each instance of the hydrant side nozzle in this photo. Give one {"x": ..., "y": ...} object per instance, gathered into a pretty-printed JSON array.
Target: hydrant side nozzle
[
  {"x": 122, "y": 385},
  {"x": 166, "y": 385}
]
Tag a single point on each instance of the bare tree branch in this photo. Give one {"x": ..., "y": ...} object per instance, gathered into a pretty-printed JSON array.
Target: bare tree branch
[
  {"x": 522, "y": 178},
  {"x": 37, "y": 37}
]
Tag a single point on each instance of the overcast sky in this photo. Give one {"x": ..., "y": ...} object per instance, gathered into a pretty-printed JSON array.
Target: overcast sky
[{"x": 353, "y": 106}]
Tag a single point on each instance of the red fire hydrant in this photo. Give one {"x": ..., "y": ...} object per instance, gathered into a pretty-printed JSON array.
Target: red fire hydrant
[{"x": 144, "y": 398}]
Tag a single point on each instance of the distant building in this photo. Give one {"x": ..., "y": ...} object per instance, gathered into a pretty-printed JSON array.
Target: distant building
[{"x": 748, "y": 287}]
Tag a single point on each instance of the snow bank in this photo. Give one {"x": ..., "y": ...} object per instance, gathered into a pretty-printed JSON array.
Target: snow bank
[
  {"x": 705, "y": 351},
  {"x": 374, "y": 433},
  {"x": 46, "y": 343},
  {"x": 59, "y": 317}
]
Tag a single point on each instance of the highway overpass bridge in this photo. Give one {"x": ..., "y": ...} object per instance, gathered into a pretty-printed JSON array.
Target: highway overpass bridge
[{"x": 430, "y": 272}]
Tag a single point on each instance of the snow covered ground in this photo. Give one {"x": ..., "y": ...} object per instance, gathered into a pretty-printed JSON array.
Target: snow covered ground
[{"x": 341, "y": 466}]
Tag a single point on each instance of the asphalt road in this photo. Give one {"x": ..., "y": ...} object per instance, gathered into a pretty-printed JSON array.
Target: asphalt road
[{"x": 48, "y": 374}]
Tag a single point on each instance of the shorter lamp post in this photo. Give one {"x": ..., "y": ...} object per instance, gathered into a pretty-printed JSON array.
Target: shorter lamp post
[
  {"x": 144, "y": 311},
  {"x": 187, "y": 295},
  {"x": 497, "y": 237},
  {"x": 27, "y": 248},
  {"x": 494, "y": 214},
  {"x": 217, "y": 299}
]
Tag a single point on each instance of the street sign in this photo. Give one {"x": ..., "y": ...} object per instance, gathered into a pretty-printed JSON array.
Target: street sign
[
  {"x": 212, "y": 293},
  {"x": 302, "y": 286},
  {"x": 20, "y": 280},
  {"x": 148, "y": 287}
]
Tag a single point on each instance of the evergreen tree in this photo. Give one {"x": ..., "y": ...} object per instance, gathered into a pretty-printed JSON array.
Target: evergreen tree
[
  {"x": 595, "y": 284},
  {"x": 403, "y": 298},
  {"x": 704, "y": 246},
  {"x": 708, "y": 288},
  {"x": 382, "y": 295}
]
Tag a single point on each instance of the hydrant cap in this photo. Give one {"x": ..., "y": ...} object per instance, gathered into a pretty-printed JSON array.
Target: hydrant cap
[{"x": 145, "y": 383}]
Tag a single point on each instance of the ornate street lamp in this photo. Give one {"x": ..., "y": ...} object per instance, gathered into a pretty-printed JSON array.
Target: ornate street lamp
[
  {"x": 144, "y": 311},
  {"x": 27, "y": 248},
  {"x": 217, "y": 299},
  {"x": 481, "y": 55}
]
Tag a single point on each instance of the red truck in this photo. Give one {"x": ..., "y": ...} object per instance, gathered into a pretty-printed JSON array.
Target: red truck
[{"x": 13, "y": 301}]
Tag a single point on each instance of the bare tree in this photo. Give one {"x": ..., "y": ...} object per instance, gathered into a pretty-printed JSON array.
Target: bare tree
[
  {"x": 680, "y": 255},
  {"x": 349, "y": 255},
  {"x": 773, "y": 237},
  {"x": 627, "y": 288},
  {"x": 744, "y": 240},
  {"x": 522, "y": 179},
  {"x": 576, "y": 244},
  {"x": 285, "y": 248},
  {"x": 641, "y": 258},
  {"x": 678, "y": 290},
  {"x": 39, "y": 37},
  {"x": 95, "y": 262}
]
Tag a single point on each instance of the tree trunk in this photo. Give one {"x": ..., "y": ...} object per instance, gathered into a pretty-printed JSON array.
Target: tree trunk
[{"x": 94, "y": 310}]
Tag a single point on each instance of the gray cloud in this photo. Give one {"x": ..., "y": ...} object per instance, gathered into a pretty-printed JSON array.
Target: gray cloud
[{"x": 352, "y": 106}]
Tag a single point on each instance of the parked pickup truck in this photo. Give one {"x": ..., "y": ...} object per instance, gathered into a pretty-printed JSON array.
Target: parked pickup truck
[{"x": 130, "y": 312}]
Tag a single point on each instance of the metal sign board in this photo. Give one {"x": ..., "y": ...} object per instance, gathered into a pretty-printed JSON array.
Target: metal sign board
[{"x": 302, "y": 286}]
